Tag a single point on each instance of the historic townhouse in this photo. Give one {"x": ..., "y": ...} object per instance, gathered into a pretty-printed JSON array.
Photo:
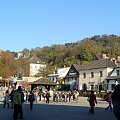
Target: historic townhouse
[
  {"x": 90, "y": 76},
  {"x": 32, "y": 68},
  {"x": 58, "y": 76},
  {"x": 113, "y": 78},
  {"x": 72, "y": 77}
]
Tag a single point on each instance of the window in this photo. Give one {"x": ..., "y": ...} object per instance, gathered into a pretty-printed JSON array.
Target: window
[
  {"x": 101, "y": 73},
  {"x": 117, "y": 72},
  {"x": 112, "y": 86},
  {"x": 37, "y": 61},
  {"x": 84, "y": 75},
  {"x": 71, "y": 70},
  {"x": 92, "y": 74},
  {"x": 36, "y": 68}
]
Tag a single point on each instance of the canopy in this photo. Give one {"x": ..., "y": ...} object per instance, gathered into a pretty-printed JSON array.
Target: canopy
[
  {"x": 14, "y": 80},
  {"x": 42, "y": 82}
]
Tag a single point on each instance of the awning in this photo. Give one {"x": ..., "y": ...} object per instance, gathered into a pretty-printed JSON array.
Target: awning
[{"x": 14, "y": 80}]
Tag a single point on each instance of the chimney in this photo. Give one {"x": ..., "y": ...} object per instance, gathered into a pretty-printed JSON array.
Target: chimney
[
  {"x": 113, "y": 60},
  {"x": 104, "y": 56},
  {"x": 118, "y": 59}
]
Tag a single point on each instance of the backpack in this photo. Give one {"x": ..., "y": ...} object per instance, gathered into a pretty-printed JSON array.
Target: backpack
[
  {"x": 17, "y": 98},
  {"x": 31, "y": 98}
]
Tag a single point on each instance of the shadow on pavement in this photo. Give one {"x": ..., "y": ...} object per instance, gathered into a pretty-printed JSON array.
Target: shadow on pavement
[{"x": 57, "y": 112}]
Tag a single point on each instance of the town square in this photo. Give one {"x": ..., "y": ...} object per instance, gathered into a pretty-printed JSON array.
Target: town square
[
  {"x": 61, "y": 111},
  {"x": 59, "y": 60}
]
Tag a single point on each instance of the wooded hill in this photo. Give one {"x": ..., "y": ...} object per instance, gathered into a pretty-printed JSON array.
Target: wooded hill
[
  {"x": 57, "y": 56},
  {"x": 78, "y": 52}
]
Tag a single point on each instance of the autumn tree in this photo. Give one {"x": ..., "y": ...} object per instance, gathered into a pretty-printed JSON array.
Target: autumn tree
[
  {"x": 7, "y": 64},
  {"x": 45, "y": 71}
]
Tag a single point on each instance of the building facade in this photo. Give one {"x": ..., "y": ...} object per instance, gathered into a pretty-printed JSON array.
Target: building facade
[
  {"x": 32, "y": 68},
  {"x": 91, "y": 76},
  {"x": 72, "y": 77},
  {"x": 58, "y": 74},
  {"x": 113, "y": 79}
]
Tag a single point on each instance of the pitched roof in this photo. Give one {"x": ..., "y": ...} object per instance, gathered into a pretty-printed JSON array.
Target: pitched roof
[
  {"x": 78, "y": 67},
  {"x": 61, "y": 72},
  {"x": 43, "y": 81},
  {"x": 109, "y": 75},
  {"x": 102, "y": 63},
  {"x": 34, "y": 59}
]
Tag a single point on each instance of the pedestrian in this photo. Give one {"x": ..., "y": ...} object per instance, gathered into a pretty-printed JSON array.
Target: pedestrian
[
  {"x": 31, "y": 99},
  {"x": 6, "y": 99},
  {"x": 92, "y": 101},
  {"x": 69, "y": 96},
  {"x": 18, "y": 99},
  {"x": 36, "y": 96},
  {"x": 40, "y": 95},
  {"x": 47, "y": 97},
  {"x": 109, "y": 100},
  {"x": 116, "y": 101},
  {"x": 11, "y": 97}
]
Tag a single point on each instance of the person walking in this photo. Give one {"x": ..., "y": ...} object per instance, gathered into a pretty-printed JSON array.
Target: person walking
[
  {"x": 31, "y": 99},
  {"x": 116, "y": 101},
  {"x": 92, "y": 101},
  {"x": 6, "y": 99},
  {"x": 47, "y": 97},
  {"x": 109, "y": 100},
  {"x": 36, "y": 96},
  {"x": 18, "y": 99},
  {"x": 11, "y": 97},
  {"x": 69, "y": 96}
]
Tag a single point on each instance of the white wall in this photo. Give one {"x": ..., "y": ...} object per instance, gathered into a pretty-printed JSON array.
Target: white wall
[
  {"x": 34, "y": 68},
  {"x": 96, "y": 79}
]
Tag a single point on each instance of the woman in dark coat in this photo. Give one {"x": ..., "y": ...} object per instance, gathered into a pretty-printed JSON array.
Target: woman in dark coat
[
  {"x": 31, "y": 99},
  {"x": 92, "y": 101},
  {"x": 116, "y": 101}
]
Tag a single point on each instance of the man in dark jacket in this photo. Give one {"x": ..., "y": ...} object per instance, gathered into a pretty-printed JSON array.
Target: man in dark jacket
[
  {"x": 47, "y": 97},
  {"x": 18, "y": 99}
]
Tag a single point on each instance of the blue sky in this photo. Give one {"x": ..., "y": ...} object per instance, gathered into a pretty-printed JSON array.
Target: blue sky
[{"x": 38, "y": 23}]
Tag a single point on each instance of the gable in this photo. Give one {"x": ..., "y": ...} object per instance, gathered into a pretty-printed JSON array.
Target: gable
[
  {"x": 35, "y": 60},
  {"x": 115, "y": 72},
  {"x": 72, "y": 71}
]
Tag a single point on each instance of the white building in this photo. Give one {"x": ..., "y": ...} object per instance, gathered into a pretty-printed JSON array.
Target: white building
[
  {"x": 113, "y": 78},
  {"x": 19, "y": 55},
  {"x": 32, "y": 68},
  {"x": 90, "y": 76},
  {"x": 58, "y": 74}
]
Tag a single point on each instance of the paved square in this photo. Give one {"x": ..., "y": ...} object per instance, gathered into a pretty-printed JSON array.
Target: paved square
[{"x": 61, "y": 111}]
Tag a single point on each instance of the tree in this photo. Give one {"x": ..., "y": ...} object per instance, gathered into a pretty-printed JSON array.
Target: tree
[
  {"x": 44, "y": 71},
  {"x": 7, "y": 64},
  {"x": 26, "y": 53},
  {"x": 85, "y": 55}
]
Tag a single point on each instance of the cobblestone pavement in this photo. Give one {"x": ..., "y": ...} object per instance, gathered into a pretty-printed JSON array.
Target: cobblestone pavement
[{"x": 61, "y": 111}]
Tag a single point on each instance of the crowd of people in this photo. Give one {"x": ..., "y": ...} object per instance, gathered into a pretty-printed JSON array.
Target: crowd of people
[
  {"x": 66, "y": 96},
  {"x": 18, "y": 96}
]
